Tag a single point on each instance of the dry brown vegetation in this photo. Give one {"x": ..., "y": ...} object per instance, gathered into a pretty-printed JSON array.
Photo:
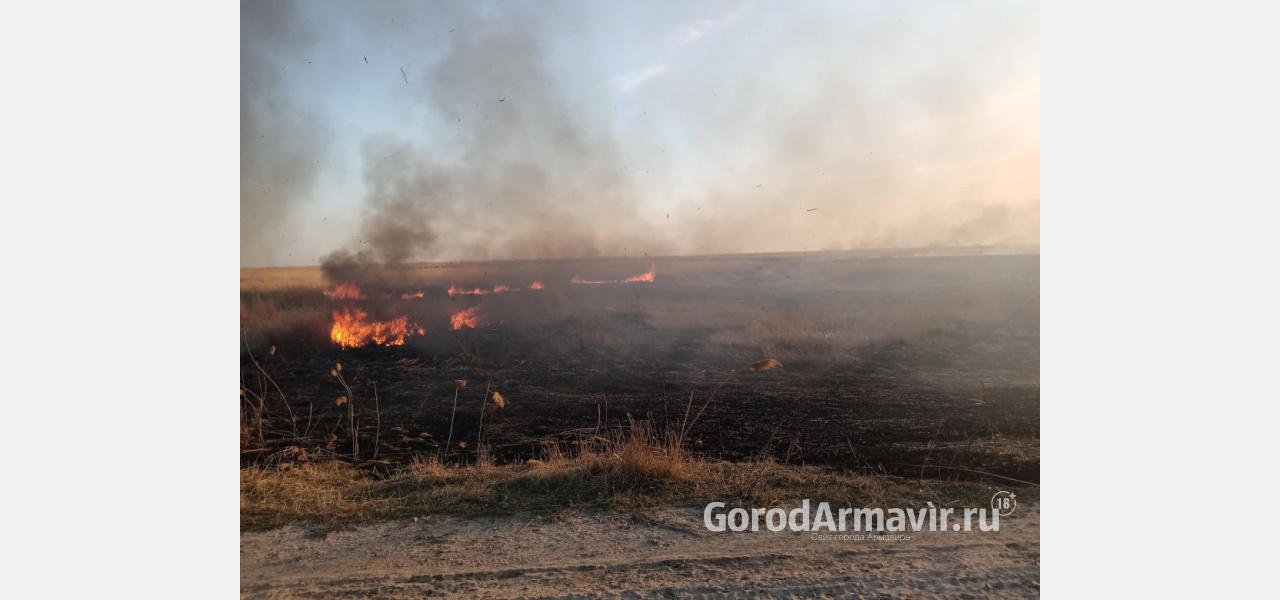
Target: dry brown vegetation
[
  {"x": 281, "y": 278},
  {"x": 629, "y": 472},
  {"x": 630, "y": 469}
]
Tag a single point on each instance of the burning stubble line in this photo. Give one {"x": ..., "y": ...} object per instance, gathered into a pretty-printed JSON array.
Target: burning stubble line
[
  {"x": 457, "y": 291},
  {"x": 454, "y": 290},
  {"x": 646, "y": 277},
  {"x": 353, "y": 327},
  {"x": 344, "y": 291}
]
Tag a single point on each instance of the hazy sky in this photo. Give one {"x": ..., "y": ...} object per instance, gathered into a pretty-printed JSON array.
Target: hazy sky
[{"x": 473, "y": 130}]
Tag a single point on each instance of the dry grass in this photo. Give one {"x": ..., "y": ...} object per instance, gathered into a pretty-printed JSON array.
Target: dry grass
[
  {"x": 630, "y": 468},
  {"x": 262, "y": 312},
  {"x": 282, "y": 278},
  {"x": 637, "y": 451},
  {"x": 334, "y": 494}
]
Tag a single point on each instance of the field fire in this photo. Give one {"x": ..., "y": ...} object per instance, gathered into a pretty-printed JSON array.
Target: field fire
[
  {"x": 582, "y": 272},
  {"x": 464, "y": 318},
  {"x": 454, "y": 290},
  {"x": 353, "y": 329},
  {"x": 914, "y": 365},
  {"x": 344, "y": 291},
  {"x": 646, "y": 277}
]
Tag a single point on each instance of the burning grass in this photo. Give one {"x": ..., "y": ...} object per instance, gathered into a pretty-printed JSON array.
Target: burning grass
[
  {"x": 646, "y": 277},
  {"x": 352, "y": 328},
  {"x": 923, "y": 369},
  {"x": 808, "y": 311},
  {"x": 344, "y": 291},
  {"x": 466, "y": 317}
]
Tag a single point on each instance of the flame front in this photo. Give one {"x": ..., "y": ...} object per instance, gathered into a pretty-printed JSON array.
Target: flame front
[
  {"x": 454, "y": 290},
  {"x": 353, "y": 329},
  {"x": 465, "y": 318},
  {"x": 344, "y": 291},
  {"x": 646, "y": 277},
  {"x": 412, "y": 295}
]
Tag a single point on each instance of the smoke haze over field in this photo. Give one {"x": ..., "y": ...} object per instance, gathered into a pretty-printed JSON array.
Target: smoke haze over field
[
  {"x": 398, "y": 132},
  {"x": 280, "y": 140}
]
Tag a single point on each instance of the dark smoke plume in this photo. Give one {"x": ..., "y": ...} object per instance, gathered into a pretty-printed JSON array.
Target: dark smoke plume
[
  {"x": 534, "y": 175},
  {"x": 922, "y": 130}
]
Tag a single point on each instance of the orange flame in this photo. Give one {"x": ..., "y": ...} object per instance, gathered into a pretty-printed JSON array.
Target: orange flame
[
  {"x": 411, "y": 296},
  {"x": 646, "y": 277},
  {"x": 465, "y": 318},
  {"x": 345, "y": 291},
  {"x": 352, "y": 329},
  {"x": 454, "y": 290},
  {"x": 537, "y": 285}
]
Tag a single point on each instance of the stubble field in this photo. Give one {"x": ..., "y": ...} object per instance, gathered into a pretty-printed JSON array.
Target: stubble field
[{"x": 911, "y": 364}]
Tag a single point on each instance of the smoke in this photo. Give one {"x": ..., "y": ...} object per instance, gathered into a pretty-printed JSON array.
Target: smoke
[
  {"x": 901, "y": 127},
  {"x": 893, "y": 132},
  {"x": 534, "y": 172},
  {"x": 281, "y": 141}
]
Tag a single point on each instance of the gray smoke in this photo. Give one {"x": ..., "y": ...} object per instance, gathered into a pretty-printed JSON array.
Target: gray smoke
[
  {"x": 536, "y": 175},
  {"x": 918, "y": 133},
  {"x": 281, "y": 142},
  {"x": 854, "y": 158}
]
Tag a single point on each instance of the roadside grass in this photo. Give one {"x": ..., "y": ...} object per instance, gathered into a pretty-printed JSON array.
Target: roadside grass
[{"x": 334, "y": 494}]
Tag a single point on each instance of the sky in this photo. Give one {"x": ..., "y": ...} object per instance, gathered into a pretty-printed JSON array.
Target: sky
[{"x": 410, "y": 131}]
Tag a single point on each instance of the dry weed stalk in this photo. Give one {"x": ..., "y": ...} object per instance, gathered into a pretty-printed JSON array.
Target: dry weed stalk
[
  {"x": 484, "y": 401},
  {"x": 687, "y": 425},
  {"x": 349, "y": 400},
  {"x": 377, "y": 421},
  {"x": 457, "y": 385},
  {"x": 263, "y": 379}
]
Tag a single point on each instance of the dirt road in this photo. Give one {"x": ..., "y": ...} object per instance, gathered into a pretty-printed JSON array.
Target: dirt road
[{"x": 665, "y": 553}]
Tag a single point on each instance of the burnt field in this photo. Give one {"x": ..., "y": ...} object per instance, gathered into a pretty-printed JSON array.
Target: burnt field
[{"x": 920, "y": 366}]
